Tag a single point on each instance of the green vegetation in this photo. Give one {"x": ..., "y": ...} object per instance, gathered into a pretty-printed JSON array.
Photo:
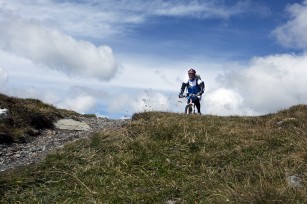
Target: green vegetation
[
  {"x": 26, "y": 117},
  {"x": 160, "y": 157}
]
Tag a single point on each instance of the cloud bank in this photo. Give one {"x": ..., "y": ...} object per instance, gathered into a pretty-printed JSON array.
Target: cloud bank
[
  {"x": 266, "y": 84},
  {"x": 51, "y": 48}
]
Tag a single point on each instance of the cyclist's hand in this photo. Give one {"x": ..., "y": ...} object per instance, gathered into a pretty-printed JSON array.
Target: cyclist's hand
[
  {"x": 180, "y": 95},
  {"x": 199, "y": 93}
]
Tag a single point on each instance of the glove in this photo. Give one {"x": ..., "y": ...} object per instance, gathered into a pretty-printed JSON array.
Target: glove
[
  {"x": 199, "y": 93},
  {"x": 180, "y": 95}
]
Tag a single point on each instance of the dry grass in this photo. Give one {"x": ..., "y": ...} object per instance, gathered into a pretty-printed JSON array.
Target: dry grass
[
  {"x": 161, "y": 157},
  {"x": 26, "y": 117}
]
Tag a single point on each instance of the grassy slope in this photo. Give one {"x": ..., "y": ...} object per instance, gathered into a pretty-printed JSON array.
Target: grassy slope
[
  {"x": 163, "y": 157},
  {"x": 27, "y": 116}
]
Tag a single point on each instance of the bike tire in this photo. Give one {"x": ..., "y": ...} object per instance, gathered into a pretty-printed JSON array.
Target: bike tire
[{"x": 188, "y": 109}]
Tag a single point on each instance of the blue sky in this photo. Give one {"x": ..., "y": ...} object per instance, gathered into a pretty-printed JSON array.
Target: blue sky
[{"x": 115, "y": 58}]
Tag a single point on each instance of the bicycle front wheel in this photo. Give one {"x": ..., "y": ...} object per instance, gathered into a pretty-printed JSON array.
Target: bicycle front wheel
[{"x": 188, "y": 109}]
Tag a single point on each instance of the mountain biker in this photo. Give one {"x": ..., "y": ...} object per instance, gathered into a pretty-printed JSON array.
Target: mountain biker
[{"x": 195, "y": 87}]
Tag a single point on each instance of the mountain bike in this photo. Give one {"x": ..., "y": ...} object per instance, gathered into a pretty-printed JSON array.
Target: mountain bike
[{"x": 190, "y": 106}]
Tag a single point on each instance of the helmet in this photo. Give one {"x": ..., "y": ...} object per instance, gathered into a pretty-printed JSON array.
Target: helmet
[{"x": 191, "y": 71}]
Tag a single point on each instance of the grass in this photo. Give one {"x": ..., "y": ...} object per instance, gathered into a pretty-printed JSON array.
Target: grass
[
  {"x": 161, "y": 157},
  {"x": 26, "y": 117}
]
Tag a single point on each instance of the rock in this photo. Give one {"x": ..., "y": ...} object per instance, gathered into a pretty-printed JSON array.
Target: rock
[
  {"x": 285, "y": 120},
  {"x": 17, "y": 155},
  {"x": 294, "y": 181},
  {"x": 4, "y": 113},
  {"x": 69, "y": 124},
  {"x": 174, "y": 201}
]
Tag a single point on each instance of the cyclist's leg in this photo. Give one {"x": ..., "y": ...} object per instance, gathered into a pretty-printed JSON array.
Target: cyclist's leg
[{"x": 197, "y": 104}]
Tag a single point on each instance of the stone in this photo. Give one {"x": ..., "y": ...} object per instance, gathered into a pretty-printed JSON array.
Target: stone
[
  {"x": 285, "y": 120},
  {"x": 294, "y": 181},
  {"x": 4, "y": 113},
  {"x": 70, "y": 124}
]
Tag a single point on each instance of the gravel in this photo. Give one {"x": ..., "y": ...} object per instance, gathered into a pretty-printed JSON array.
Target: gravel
[{"x": 21, "y": 154}]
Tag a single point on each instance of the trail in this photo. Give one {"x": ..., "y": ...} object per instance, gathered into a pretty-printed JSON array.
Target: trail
[{"x": 21, "y": 154}]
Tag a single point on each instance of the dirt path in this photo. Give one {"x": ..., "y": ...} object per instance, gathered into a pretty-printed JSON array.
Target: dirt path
[{"x": 14, "y": 155}]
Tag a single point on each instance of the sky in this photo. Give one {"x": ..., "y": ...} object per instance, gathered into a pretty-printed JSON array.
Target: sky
[{"x": 114, "y": 58}]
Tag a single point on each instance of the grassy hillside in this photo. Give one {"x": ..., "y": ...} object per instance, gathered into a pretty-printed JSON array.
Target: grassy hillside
[
  {"x": 26, "y": 117},
  {"x": 174, "y": 158}
]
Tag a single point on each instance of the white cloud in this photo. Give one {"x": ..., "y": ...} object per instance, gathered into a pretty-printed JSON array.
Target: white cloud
[
  {"x": 53, "y": 49},
  {"x": 122, "y": 103},
  {"x": 223, "y": 102},
  {"x": 153, "y": 100},
  {"x": 143, "y": 72},
  {"x": 293, "y": 33},
  {"x": 266, "y": 85},
  {"x": 79, "y": 103},
  {"x": 141, "y": 100}
]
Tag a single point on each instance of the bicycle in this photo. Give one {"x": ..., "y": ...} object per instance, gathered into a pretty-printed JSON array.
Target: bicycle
[{"x": 190, "y": 106}]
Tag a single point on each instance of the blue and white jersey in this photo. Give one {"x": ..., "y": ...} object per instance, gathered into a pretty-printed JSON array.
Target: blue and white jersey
[{"x": 193, "y": 85}]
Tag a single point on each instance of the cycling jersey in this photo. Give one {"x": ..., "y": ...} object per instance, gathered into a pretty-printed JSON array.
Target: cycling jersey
[{"x": 193, "y": 86}]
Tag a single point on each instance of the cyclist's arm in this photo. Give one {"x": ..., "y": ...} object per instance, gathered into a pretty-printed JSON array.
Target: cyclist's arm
[
  {"x": 183, "y": 86},
  {"x": 201, "y": 85}
]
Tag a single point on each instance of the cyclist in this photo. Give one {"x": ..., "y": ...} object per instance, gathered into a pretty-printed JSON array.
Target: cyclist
[{"x": 195, "y": 87}]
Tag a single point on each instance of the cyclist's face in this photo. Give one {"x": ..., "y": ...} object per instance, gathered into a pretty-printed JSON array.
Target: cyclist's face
[{"x": 191, "y": 76}]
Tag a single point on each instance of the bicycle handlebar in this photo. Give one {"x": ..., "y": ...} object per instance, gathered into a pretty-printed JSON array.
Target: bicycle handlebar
[{"x": 187, "y": 95}]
